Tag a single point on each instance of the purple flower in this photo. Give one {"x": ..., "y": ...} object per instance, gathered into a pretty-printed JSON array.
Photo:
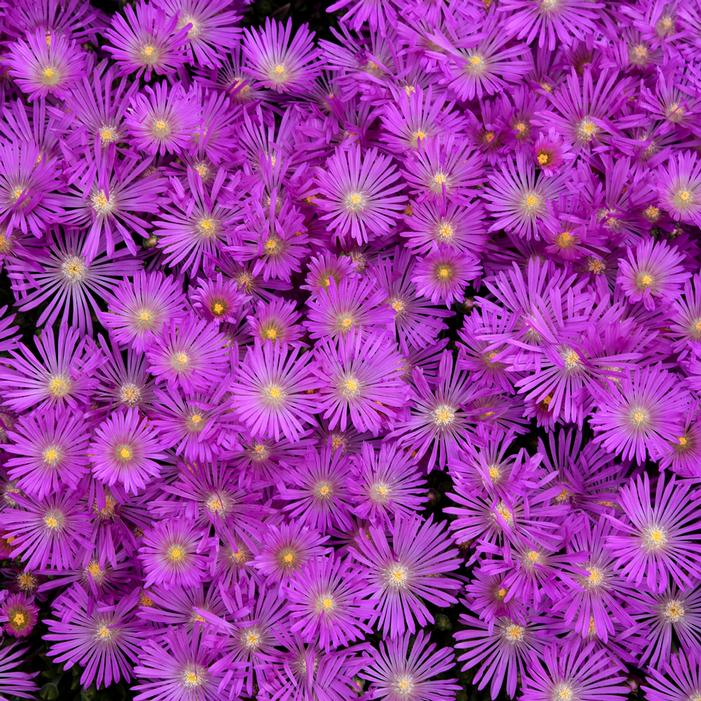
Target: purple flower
[
  {"x": 412, "y": 566},
  {"x": 359, "y": 194},
  {"x": 398, "y": 673}
]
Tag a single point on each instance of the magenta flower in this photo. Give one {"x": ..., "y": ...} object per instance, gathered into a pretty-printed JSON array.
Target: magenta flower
[
  {"x": 125, "y": 450},
  {"x": 46, "y": 64},
  {"x": 657, "y": 539},
  {"x": 359, "y": 194},
  {"x": 272, "y": 391},
  {"x": 410, "y": 567},
  {"x": 398, "y": 673},
  {"x": 102, "y": 637},
  {"x": 638, "y": 412},
  {"x": 47, "y": 453},
  {"x": 280, "y": 61}
]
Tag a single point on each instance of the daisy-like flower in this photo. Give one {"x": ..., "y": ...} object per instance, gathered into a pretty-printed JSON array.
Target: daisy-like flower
[
  {"x": 125, "y": 450},
  {"x": 172, "y": 554},
  {"x": 677, "y": 680},
  {"x": 47, "y": 534},
  {"x": 47, "y": 452},
  {"x": 652, "y": 274},
  {"x": 189, "y": 353},
  {"x": 218, "y": 300},
  {"x": 639, "y": 412},
  {"x": 597, "y": 591},
  {"x": 359, "y": 194},
  {"x": 19, "y": 614},
  {"x": 27, "y": 180},
  {"x": 59, "y": 277},
  {"x": 484, "y": 66},
  {"x": 576, "y": 673},
  {"x": 361, "y": 382},
  {"x": 438, "y": 423},
  {"x": 664, "y": 621},
  {"x": 403, "y": 669},
  {"x": 194, "y": 224},
  {"x": 162, "y": 119},
  {"x": 328, "y": 603},
  {"x": 276, "y": 322},
  {"x": 443, "y": 275},
  {"x": 352, "y": 305},
  {"x": 104, "y": 638},
  {"x": 13, "y": 681},
  {"x": 61, "y": 373},
  {"x": 584, "y": 108},
  {"x": 287, "y": 548},
  {"x": 278, "y": 60},
  {"x": 139, "y": 308},
  {"x": 680, "y": 187},
  {"x": 551, "y": 21},
  {"x": 315, "y": 490},
  {"x": 111, "y": 196},
  {"x": 385, "y": 483},
  {"x": 144, "y": 41},
  {"x": 518, "y": 198},
  {"x": 500, "y": 649},
  {"x": 211, "y": 28},
  {"x": 413, "y": 565},
  {"x": 657, "y": 539},
  {"x": 432, "y": 224},
  {"x": 272, "y": 391},
  {"x": 685, "y": 327},
  {"x": 177, "y": 666},
  {"x": 45, "y": 64}
]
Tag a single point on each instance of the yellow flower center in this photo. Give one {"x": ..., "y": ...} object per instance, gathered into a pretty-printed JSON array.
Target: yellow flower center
[
  {"x": 565, "y": 240},
  {"x": 107, "y": 134},
  {"x": 275, "y": 394},
  {"x": 180, "y": 361},
  {"x": 54, "y": 520},
  {"x": 350, "y": 387},
  {"x": 399, "y": 305},
  {"x": 674, "y": 611},
  {"x": 444, "y": 415},
  {"x": 683, "y": 199},
  {"x": 102, "y": 204},
  {"x": 651, "y": 213},
  {"x": 218, "y": 308},
  {"x": 278, "y": 73},
  {"x": 52, "y": 455},
  {"x": 476, "y": 64},
  {"x": 644, "y": 280},
  {"x": 563, "y": 692},
  {"x": 505, "y": 512},
  {"x": 639, "y": 417},
  {"x": 355, "y": 201},
  {"x": 445, "y": 231},
  {"x": 397, "y": 576},
  {"x": 444, "y": 272},
  {"x": 74, "y": 269},
  {"x": 287, "y": 557},
  {"x": 59, "y": 386},
  {"x": 596, "y": 266},
  {"x": 195, "y": 422},
  {"x": 18, "y": 619},
  {"x": 654, "y": 538},
  {"x": 193, "y": 678},
  {"x": 94, "y": 569},
  {"x": 124, "y": 452},
  {"x": 571, "y": 359},
  {"x": 587, "y": 129},
  {"x": 325, "y": 603},
  {"x": 161, "y": 128},
  {"x": 149, "y": 54},
  {"x": 532, "y": 203},
  {"x": 380, "y": 492},
  {"x": 345, "y": 322},
  {"x": 404, "y": 686},
  {"x": 595, "y": 577},
  {"x": 103, "y": 632},
  {"x": 207, "y": 227},
  {"x": 129, "y": 394},
  {"x": 514, "y": 633},
  {"x": 251, "y": 639},
  {"x": 323, "y": 490},
  {"x": 176, "y": 554},
  {"x": 50, "y": 76}
]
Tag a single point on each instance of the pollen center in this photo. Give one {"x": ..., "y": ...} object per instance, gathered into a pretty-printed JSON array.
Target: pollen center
[
  {"x": 639, "y": 417},
  {"x": 129, "y": 394},
  {"x": 193, "y": 677},
  {"x": 532, "y": 203},
  {"x": 397, "y": 576},
  {"x": 380, "y": 492},
  {"x": 160, "y": 128},
  {"x": 54, "y": 520},
  {"x": 74, "y": 269},
  {"x": 563, "y": 692},
  {"x": 654, "y": 538},
  {"x": 207, "y": 227},
  {"x": 404, "y": 686},
  {"x": 445, "y": 231},
  {"x": 514, "y": 633},
  {"x": 176, "y": 554},
  {"x": 644, "y": 280},
  {"x": 180, "y": 361},
  {"x": 444, "y": 415},
  {"x": 59, "y": 386},
  {"x": 52, "y": 455},
  {"x": 587, "y": 129},
  {"x": 50, "y": 76},
  {"x": 355, "y": 201},
  {"x": 101, "y": 203},
  {"x": 149, "y": 54},
  {"x": 674, "y": 611},
  {"x": 350, "y": 387}
]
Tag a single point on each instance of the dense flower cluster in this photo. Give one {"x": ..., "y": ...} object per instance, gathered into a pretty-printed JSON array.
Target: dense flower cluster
[{"x": 271, "y": 293}]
